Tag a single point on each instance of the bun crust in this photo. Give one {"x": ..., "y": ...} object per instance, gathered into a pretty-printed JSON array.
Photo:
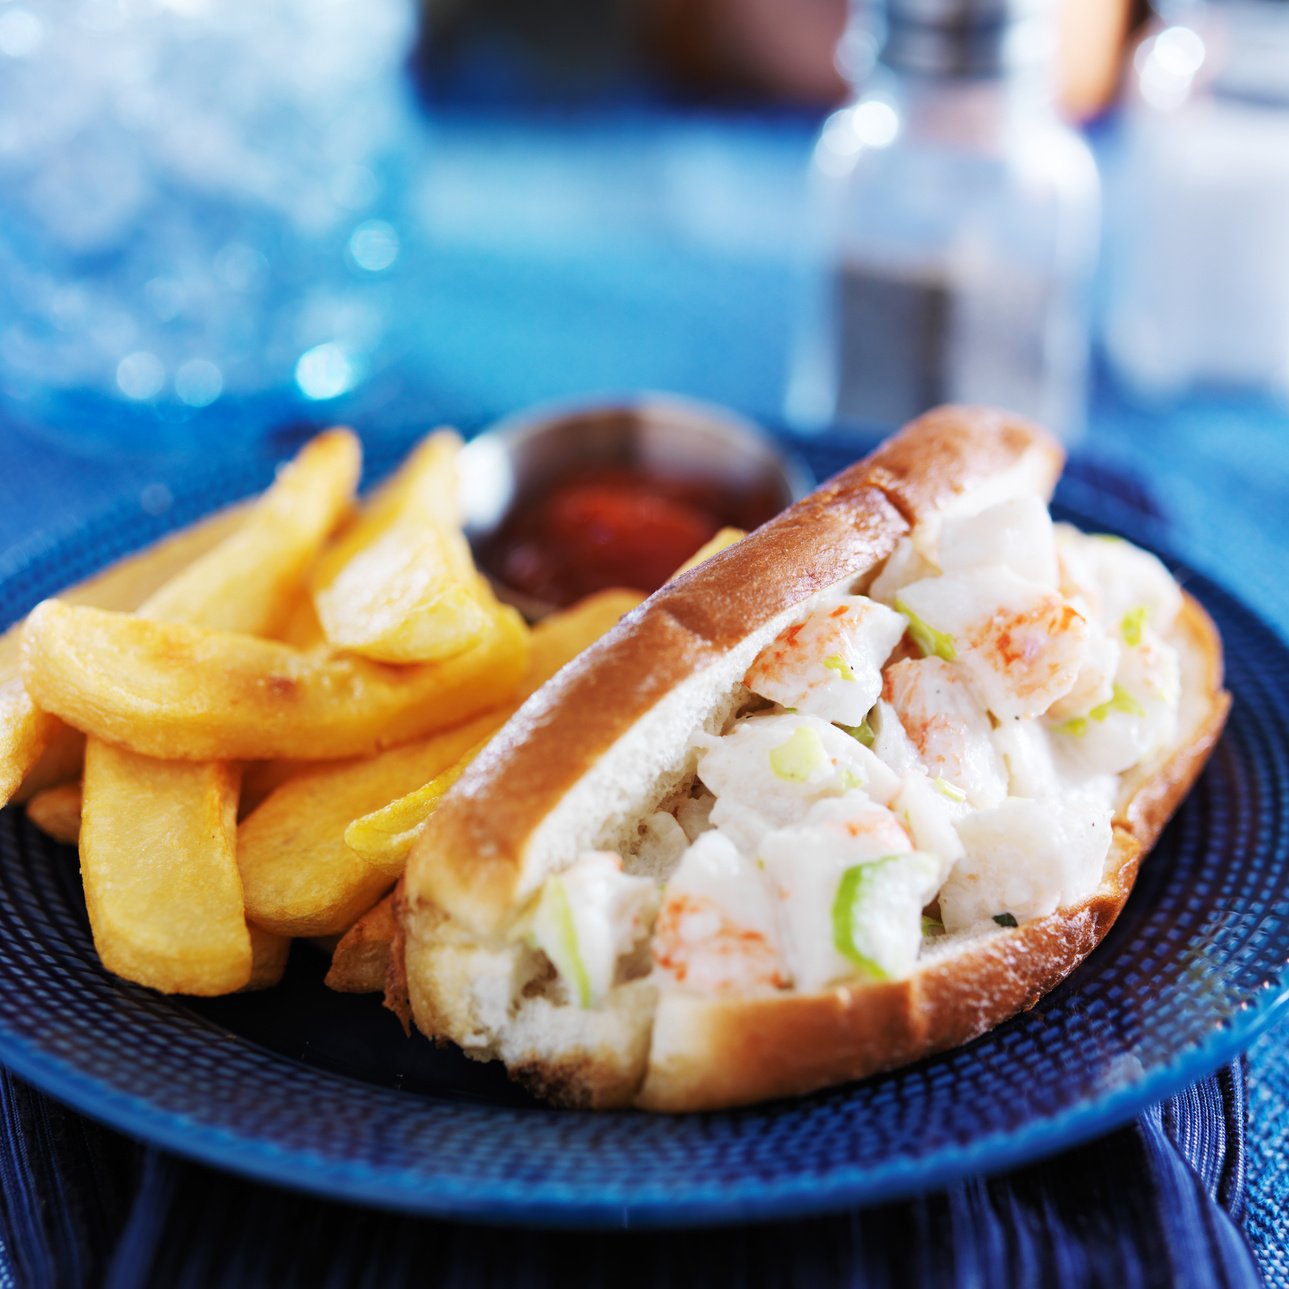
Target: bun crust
[
  {"x": 667, "y": 1050},
  {"x": 472, "y": 857}
]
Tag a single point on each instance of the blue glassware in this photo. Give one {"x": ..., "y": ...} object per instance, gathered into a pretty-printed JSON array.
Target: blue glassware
[{"x": 195, "y": 211}]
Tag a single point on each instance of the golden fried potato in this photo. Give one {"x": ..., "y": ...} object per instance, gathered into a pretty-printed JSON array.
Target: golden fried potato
[
  {"x": 59, "y": 763},
  {"x": 400, "y": 585},
  {"x": 172, "y": 690},
  {"x": 56, "y": 811},
  {"x": 558, "y": 639},
  {"x": 300, "y": 876},
  {"x": 359, "y": 961},
  {"x": 269, "y": 953},
  {"x": 260, "y": 779},
  {"x": 240, "y": 582},
  {"x": 384, "y": 837},
  {"x": 131, "y": 581},
  {"x": 160, "y": 871},
  {"x": 229, "y": 571},
  {"x": 300, "y": 627},
  {"x": 25, "y": 731},
  {"x": 245, "y": 583}
]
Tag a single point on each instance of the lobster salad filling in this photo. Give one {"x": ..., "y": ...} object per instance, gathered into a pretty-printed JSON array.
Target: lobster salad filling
[{"x": 936, "y": 758}]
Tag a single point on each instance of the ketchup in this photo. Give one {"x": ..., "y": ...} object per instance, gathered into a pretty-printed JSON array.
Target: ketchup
[{"x": 613, "y": 526}]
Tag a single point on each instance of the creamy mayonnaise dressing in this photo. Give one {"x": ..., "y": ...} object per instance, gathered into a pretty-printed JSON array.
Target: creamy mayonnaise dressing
[{"x": 939, "y": 757}]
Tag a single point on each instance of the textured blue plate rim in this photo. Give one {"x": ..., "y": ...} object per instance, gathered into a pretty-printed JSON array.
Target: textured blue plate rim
[
  {"x": 774, "y": 1200},
  {"x": 217, "y": 1144}
]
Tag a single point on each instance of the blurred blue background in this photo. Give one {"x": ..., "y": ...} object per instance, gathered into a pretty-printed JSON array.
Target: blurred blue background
[{"x": 221, "y": 224}]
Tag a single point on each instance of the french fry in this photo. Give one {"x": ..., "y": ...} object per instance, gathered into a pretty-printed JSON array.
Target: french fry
[
  {"x": 299, "y": 875},
  {"x": 170, "y": 690},
  {"x": 60, "y": 762},
  {"x": 240, "y": 584},
  {"x": 400, "y": 585},
  {"x": 300, "y": 627},
  {"x": 130, "y": 581},
  {"x": 384, "y": 837},
  {"x": 260, "y": 779},
  {"x": 236, "y": 586},
  {"x": 163, "y": 891},
  {"x": 25, "y": 731},
  {"x": 56, "y": 811},
  {"x": 269, "y": 953},
  {"x": 244, "y": 584},
  {"x": 558, "y": 639},
  {"x": 359, "y": 961}
]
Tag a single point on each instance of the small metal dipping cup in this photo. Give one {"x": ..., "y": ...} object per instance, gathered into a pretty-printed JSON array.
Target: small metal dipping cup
[{"x": 525, "y": 455}]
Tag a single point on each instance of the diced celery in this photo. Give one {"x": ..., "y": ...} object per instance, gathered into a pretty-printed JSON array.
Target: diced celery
[
  {"x": 873, "y": 909},
  {"x": 799, "y": 758},
  {"x": 926, "y": 637},
  {"x": 1131, "y": 626},
  {"x": 835, "y": 662},
  {"x": 850, "y": 891},
  {"x": 1120, "y": 701},
  {"x": 556, "y": 934},
  {"x": 861, "y": 733},
  {"x": 950, "y": 790},
  {"x": 849, "y": 779}
]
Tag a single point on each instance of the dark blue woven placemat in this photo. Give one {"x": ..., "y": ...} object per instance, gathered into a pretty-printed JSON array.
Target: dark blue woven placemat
[{"x": 1155, "y": 1204}]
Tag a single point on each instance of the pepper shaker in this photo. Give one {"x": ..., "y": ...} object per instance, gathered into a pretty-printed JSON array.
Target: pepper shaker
[{"x": 955, "y": 220}]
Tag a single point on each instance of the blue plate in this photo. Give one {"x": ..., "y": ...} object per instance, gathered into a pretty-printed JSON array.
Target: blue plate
[{"x": 322, "y": 1092}]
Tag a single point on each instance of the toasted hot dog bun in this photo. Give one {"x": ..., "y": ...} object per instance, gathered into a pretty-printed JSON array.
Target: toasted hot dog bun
[{"x": 602, "y": 744}]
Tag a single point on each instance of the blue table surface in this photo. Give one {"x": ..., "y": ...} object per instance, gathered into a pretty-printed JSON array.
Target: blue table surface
[{"x": 680, "y": 289}]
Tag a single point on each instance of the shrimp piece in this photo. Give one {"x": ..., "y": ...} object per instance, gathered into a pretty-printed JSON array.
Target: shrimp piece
[
  {"x": 768, "y": 769},
  {"x": 813, "y": 867},
  {"x": 1095, "y": 681},
  {"x": 1026, "y": 858},
  {"x": 1125, "y": 586},
  {"x": 1139, "y": 718},
  {"x": 830, "y": 663},
  {"x": 1021, "y": 647},
  {"x": 1026, "y": 658},
  {"x": 1016, "y": 533},
  {"x": 854, "y": 828},
  {"x": 948, "y": 727},
  {"x": 716, "y": 931}
]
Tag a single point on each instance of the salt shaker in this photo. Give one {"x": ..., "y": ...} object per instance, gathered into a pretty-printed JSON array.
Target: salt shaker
[
  {"x": 1198, "y": 282},
  {"x": 955, "y": 223}
]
